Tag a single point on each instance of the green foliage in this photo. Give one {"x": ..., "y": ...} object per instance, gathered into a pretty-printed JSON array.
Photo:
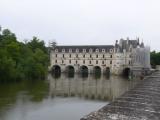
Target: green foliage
[
  {"x": 155, "y": 58},
  {"x": 22, "y": 60}
]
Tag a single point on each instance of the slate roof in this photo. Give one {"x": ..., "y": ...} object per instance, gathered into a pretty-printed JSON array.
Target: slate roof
[
  {"x": 125, "y": 44},
  {"x": 87, "y": 47}
]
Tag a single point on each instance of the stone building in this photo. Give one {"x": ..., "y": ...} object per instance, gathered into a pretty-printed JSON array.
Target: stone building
[{"x": 121, "y": 58}]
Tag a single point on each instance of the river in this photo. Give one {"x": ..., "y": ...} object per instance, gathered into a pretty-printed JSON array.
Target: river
[{"x": 60, "y": 97}]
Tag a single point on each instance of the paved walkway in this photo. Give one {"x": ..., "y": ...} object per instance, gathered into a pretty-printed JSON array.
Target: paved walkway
[{"x": 140, "y": 103}]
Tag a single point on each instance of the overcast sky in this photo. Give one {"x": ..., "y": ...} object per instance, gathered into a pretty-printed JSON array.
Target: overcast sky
[{"x": 74, "y": 22}]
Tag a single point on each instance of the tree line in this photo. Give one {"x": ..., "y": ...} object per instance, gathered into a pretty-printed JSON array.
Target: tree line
[
  {"x": 30, "y": 60},
  {"x": 22, "y": 60},
  {"x": 155, "y": 58}
]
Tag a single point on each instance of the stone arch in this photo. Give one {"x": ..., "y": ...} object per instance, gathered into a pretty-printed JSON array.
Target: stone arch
[
  {"x": 70, "y": 69},
  {"x": 126, "y": 72},
  {"x": 84, "y": 69},
  {"x": 56, "y": 69},
  {"x": 96, "y": 69}
]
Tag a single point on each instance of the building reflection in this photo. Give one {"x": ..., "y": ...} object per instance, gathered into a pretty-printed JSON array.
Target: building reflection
[{"x": 97, "y": 87}]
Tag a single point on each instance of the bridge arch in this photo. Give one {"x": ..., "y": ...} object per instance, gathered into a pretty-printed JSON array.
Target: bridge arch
[
  {"x": 70, "y": 69},
  {"x": 126, "y": 72},
  {"x": 84, "y": 69},
  {"x": 56, "y": 69},
  {"x": 96, "y": 69}
]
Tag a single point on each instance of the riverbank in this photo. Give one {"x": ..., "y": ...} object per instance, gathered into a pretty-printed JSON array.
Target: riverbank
[{"x": 140, "y": 103}]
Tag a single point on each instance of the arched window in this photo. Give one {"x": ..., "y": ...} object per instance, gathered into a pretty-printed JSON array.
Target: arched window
[{"x": 84, "y": 50}]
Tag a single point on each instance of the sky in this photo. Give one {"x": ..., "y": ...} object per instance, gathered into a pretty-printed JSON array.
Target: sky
[{"x": 83, "y": 22}]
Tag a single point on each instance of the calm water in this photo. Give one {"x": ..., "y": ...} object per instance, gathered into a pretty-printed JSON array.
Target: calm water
[{"x": 60, "y": 98}]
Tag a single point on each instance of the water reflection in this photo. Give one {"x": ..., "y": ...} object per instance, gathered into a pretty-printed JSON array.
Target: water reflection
[
  {"x": 75, "y": 95},
  {"x": 96, "y": 86}
]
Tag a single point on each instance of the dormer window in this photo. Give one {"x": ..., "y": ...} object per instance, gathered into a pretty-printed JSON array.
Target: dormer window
[
  {"x": 111, "y": 50},
  {"x": 97, "y": 50},
  {"x": 77, "y": 50},
  {"x": 103, "y": 50},
  {"x": 63, "y": 50},
  {"x": 70, "y": 50},
  {"x": 56, "y": 50},
  {"x": 84, "y": 50},
  {"x": 90, "y": 50}
]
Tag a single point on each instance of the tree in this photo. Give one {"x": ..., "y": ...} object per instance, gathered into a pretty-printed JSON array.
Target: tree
[{"x": 22, "y": 60}]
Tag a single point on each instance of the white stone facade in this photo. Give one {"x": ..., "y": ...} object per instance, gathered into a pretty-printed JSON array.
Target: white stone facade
[
  {"x": 125, "y": 54},
  {"x": 101, "y": 59}
]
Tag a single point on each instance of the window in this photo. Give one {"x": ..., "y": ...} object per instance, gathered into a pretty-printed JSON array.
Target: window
[
  {"x": 70, "y": 55},
  {"x": 83, "y": 56},
  {"x": 70, "y": 50},
  {"x": 76, "y": 55},
  {"x": 56, "y": 55},
  {"x": 110, "y": 56},
  {"x": 55, "y": 61},
  {"x": 129, "y": 62},
  {"x": 90, "y": 62},
  {"x": 90, "y": 56},
  {"x": 96, "y": 61},
  {"x": 97, "y": 50},
  {"x": 63, "y": 55},
  {"x": 83, "y": 61},
  {"x": 130, "y": 49},
  {"x": 130, "y": 56},
  {"x": 102, "y": 62},
  {"x": 62, "y": 61},
  {"x": 96, "y": 56},
  {"x": 77, "y": 50},
  {"x": 103, "y": 56},
  {"x": 103, "y": 50},
  {"x": 84, "y": 50},
  {"x": 56, "y": 50},
  {"x": 70, "y": 61},
  {"x": 63, "y": 50},
  {"x": 111, "y": 50},
  {"x": 90, "y": 50},
  {"x": 110, "y": 62},
  {"x": 76, "y": 62}
]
